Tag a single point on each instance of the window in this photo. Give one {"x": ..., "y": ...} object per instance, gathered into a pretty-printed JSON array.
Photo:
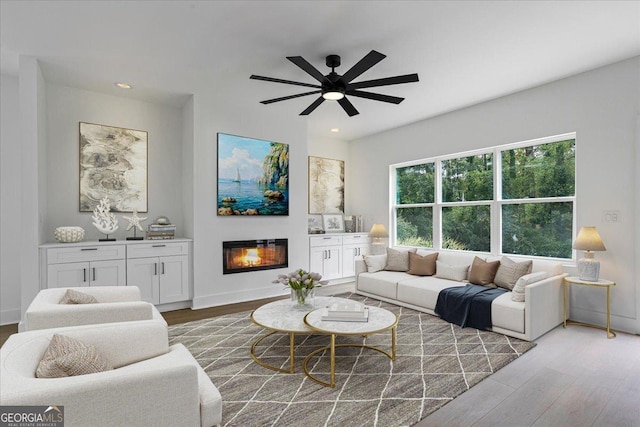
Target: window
[
  {"x": 524, "y": 205},
  {"x": 414, "y": 195}
]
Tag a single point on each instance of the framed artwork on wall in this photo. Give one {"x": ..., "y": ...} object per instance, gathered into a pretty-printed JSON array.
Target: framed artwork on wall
[
  {"x": 113, "y": 164},
  {"x": 326, "y": 185},
  {"x": 333, "y": 223},
  {"x": 253, "y": 176},
  {"x": 315, "y": 224}
]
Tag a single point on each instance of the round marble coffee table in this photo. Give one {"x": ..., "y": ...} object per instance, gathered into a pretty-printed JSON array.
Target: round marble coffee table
[
  {"x": 380, "y": 320},
  {"x": 282, "y": 316}
]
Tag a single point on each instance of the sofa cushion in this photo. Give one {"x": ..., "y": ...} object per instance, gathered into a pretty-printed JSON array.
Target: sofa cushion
[
  {"x": 375, "y": 262},
  {"x": 68, "y": 357},
  {"x": 423, "y": 291},
  {"x": 422, "y": 265},
  {"x": 483, "y": 272},
  {"x": 518, "y": 290},
  {"x": 398, "y": 259},
  {"x": 510, "y": 271},
  {"x": 451, "y": 272},
  {"x": 382, "y": 283},
  {"x": 72, "y": 296},
  {"x": 507, "y": 314}
]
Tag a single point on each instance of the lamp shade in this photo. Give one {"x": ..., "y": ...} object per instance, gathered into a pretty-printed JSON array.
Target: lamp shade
[
  {"x": 588, "y": 239},
  {"x": 378, "y": 231}
]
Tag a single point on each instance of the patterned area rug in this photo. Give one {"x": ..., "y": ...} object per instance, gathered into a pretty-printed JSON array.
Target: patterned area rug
[{"x": 436, "y": 361}]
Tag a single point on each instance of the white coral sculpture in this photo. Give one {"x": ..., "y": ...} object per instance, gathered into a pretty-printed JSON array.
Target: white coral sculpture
[{"x": 103, "y": 219}]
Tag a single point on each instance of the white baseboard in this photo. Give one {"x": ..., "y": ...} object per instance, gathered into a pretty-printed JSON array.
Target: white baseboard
[
  {"x": 618, "y": 323},
  {"x": 9, "y": 317},
  {"x": 207, "y": 301}
]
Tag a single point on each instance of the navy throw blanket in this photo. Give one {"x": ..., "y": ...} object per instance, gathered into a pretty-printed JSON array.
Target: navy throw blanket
[{"x": 468, "y": 305}]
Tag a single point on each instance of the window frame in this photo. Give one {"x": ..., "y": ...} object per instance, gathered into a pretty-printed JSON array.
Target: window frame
[{"x": 495, "y": 205}]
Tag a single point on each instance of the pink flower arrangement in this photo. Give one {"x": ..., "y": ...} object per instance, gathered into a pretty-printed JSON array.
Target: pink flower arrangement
[{"x": 301, "y": 279}]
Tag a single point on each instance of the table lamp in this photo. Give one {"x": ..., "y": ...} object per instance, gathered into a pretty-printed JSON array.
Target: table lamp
[
  {"x": 377, "y": 233},
  {"x": 588, "y": 240}
]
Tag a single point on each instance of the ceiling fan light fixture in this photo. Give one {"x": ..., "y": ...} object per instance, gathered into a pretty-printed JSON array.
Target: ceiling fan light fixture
[{"x": 333, "y": 95}]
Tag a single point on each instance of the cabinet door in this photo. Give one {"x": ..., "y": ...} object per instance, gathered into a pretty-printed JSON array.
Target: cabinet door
[
  {"x": 70, "y": 275},
  {"x": 349, "y": 254},
  {"x": 332, "y": 263},
  {"x": 145, "y": 274},
  {"x": 316, "y": 260},
  {"x": 174, "y": 279},
  {"x": 108, "y": 273}
]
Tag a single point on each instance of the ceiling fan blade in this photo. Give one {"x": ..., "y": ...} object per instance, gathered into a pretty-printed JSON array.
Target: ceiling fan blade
[
  {"x": 307, "y": 68},
  {"x": 313, "y": 106},
  {"x": 284, "y": 98},
  {"x": 407, "y": 78},
  {"x": 289, "y": 82},
  {"x": 348, "y": 107},
  {"x": 370, "y": 59},
  {"x": 375, "y": 96}
]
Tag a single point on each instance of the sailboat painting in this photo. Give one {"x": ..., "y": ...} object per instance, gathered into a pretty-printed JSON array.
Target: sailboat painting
[{"x": 253, "y": 176}]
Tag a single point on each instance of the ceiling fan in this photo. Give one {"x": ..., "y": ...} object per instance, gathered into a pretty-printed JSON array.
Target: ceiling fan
[{"x": 335, "y": 87}]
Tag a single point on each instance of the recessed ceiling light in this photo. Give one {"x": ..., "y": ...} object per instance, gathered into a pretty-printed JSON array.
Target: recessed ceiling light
[
  {"x": 335, "y": 130},
  {"x": 123, "y": 85}
]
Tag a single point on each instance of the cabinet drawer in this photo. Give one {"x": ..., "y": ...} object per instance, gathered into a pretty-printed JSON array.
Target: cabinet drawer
[
  {"x": 85, "y": 253},
  {"x": 325, "y": 241},
  {"x": 356, "y": 239},
  {"x": 144, "y": 250}
]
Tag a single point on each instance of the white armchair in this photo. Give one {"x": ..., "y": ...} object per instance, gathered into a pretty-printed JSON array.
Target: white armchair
[
  {"x": 116, "y": 304},
  {"x": 151, "y": 383}
]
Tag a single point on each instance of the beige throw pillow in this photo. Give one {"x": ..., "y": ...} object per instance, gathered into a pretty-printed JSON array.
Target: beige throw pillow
[
  {"x": 67, "y": 357},
  {"x": 510, "y": 271},
  {"x": 451, "y": 272},
  {"x": 422, "y": 265},
  {"x": 518, "y": 290},
  {"x": 398, "y": 260},
  {"x": 375, "y": 263},
  {"x": 76, "y": 297},
  {"x": 483, "y": 272}
]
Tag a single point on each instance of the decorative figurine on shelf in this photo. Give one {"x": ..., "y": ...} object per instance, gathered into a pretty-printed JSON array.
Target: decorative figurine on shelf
[
  {"x": 134, "y": 222},
  {"x": 104, "y": 220}
]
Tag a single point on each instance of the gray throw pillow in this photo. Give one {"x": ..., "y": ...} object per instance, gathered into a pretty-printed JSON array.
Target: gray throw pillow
[
  {"x": 76, "y": 297},
  {"x": 510, "y": 271},
  {"x": 398, "y": 260},
  {"x": 68, "y": 357}
]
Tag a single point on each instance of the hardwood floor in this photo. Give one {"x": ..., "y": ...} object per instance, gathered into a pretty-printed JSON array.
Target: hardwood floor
[{"x": 573, "y": 377}]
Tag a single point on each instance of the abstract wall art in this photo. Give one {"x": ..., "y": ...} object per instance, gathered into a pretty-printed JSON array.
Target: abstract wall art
[
  {"x": 326, "y": 185},
  {"x": 113, "y": 164}
]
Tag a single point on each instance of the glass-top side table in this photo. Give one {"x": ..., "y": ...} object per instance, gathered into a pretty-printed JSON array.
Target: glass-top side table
[{"x": 607, "y": 284}]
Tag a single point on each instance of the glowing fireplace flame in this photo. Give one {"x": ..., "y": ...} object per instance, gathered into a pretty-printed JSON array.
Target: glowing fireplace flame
[{"x": 252, "y": 258}]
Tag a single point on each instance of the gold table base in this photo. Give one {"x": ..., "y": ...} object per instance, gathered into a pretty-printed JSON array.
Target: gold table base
[
  {"x": 600, "y": 284},
  {"x": 292, "y": 362},
  {"x": 332, "y": 348}
]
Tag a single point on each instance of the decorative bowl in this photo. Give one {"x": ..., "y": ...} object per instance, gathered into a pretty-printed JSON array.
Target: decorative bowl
[{"x": 69, "y": 234}]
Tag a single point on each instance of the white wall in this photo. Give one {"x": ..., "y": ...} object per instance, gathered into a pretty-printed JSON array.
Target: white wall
[
  {"x": 66, "y": 107},
  {"x": 600, "y": 105},
  {"x": 213, "y": 114},
  {"x": 10, "y": 221}
]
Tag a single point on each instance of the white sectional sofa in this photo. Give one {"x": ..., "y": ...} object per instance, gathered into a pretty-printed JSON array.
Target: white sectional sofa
[{"x": 541, "y": 311}]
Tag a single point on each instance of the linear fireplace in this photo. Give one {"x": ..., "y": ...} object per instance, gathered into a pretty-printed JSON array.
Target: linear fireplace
[{"x": 253, "y": 255}]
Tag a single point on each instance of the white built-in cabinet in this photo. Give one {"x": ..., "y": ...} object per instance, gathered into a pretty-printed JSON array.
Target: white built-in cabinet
[
  {"x": 161, "y": 269},
  {"x": 354, "y": 246},
  {"x": 334, "y": 255}
]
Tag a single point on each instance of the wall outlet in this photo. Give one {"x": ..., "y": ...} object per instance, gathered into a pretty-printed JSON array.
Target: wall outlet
[{"x": 611, "y": 216}]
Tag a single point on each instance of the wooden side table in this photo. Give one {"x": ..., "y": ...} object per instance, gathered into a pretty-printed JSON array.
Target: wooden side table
[{"x": 600, "y": 284}]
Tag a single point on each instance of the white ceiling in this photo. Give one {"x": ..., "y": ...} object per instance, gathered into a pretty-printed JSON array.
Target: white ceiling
[{"x": 465, "y": 52}]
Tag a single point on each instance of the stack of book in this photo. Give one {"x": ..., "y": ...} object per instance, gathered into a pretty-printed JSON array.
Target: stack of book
[
  {"x": 161, "y": 232},
  {"x": 346, "y": 312}
]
